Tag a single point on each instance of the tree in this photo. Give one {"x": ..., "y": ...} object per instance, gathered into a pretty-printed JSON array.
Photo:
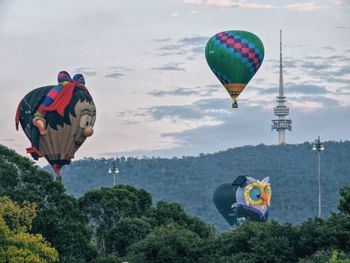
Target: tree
[
  {"x": 127, "y": 232},
  {"x": 166, "y": 213},
  {"x": 107, "y": 206},
  {"x": 171, "y": 243},
  {"x": 344, "y": 202},
  {"x": 59, "y": 218},
  {"x": 256, "y": 242},
  {"x": 17, "y": 245},
  {"x": 339, "y": 257}
]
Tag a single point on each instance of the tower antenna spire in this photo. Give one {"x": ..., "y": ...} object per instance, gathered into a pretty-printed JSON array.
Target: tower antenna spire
[{"x": 281, "y": 110}]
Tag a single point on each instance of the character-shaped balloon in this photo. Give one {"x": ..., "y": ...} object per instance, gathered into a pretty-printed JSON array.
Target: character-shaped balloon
[
  {"x": 234, "y": 57},
  {"x": 245, "y": 199},
  {"x": 57, "y": 119}
]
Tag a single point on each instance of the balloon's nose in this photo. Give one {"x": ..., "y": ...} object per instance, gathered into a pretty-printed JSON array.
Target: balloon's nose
[{"x": 88, "y": 131}]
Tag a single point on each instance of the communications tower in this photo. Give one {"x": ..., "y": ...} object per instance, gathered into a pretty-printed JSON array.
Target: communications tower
[{"x": 281, "y": 110}]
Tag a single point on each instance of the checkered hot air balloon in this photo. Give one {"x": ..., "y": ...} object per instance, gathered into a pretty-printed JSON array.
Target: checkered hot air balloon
[{"x": 234, "y": 57}]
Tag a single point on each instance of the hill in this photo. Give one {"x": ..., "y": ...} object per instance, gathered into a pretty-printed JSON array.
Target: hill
[
  {"x": 119, "y": 224},
  {"x": 191, "y": 181}
]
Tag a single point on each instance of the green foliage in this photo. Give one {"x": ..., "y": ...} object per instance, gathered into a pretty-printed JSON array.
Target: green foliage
[
  {"x": 165, "y": 213},
  {"x": 321, "y": 256},
  {"x": 191, "y": 181},
  {"x": 111, "y": 258},
  {"x": 339, "y": 257},
  {"x": 59, "y": 218},
  {"x": 127, "y": 232},
  {"x": 171, "y": 243},
  {"x": 107, "y": 206},
  {"x": 17, "y": 245},
  {"x": 257, "y": 242},
  {"x": 119, "y": 224},
  {"x": 344, "y": 203}
]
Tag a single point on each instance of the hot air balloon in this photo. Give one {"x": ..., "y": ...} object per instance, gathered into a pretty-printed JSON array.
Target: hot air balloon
[
  {"x": 234, "y": 57},
  {"x": 245, "y": 199},
  {"x": 57, "y": 119}
]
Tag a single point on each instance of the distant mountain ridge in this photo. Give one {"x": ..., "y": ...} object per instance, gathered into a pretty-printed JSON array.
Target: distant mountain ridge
[{"x": 191, "y": 180}]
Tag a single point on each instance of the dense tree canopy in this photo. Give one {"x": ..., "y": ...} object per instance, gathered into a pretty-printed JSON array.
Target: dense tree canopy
[
  {"x": 120, "y": 224},
  {"x": 17, "y": 244},
  {"x": 58, "y": 217}
]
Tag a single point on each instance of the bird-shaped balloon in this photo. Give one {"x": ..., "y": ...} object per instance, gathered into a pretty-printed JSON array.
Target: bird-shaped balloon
[
  {"x": 57, "y": 119},
  {"x": 245, "y": 199}
]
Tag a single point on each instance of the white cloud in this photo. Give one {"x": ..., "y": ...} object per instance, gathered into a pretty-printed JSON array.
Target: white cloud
[
  {"x": 229, "y": 3},
  {"x": 310, "y": 6},
  {"x": 336, "y": 2},
  {"x": 299, "y": 6},
  {"x": 309, "y": 106}
]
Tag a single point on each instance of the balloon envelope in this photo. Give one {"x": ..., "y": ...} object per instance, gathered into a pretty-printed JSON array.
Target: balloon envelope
[
  {"x": 243, "y": 200},
  {"x": 223, "y": 199},
  {"x": 65, "y": 134},
  {"x": 234, "y": 57}
]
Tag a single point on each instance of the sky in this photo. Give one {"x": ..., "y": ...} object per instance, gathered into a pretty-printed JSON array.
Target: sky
[{"x": 155, "y": 95}]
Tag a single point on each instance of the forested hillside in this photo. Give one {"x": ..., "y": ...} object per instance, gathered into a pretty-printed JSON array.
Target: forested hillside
[
  {"x": 191, "y": 180},
  {"x": 40, "y": 223}
]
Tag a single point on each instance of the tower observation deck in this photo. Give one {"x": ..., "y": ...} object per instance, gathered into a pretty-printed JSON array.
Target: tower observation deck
[{"x": 281, "y": 110}]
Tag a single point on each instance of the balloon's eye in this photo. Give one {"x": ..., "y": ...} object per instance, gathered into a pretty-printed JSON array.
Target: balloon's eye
[
  {"x": 255, "y": 194},
  {"x": 85, "y": 121}
]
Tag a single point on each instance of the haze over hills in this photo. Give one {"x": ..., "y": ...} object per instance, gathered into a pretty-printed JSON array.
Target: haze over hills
[{"x": 191, "y": 180}]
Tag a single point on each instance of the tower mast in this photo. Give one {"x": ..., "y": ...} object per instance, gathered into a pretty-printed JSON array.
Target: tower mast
[{"x": 281, "y": 110}]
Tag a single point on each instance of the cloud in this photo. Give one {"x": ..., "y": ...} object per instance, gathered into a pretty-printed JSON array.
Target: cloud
[
  {"x": 183, "y": 112},
  {"x": 251, "y": 126},
  {"x": 329, "y": 48},
  {"x": 86, "y": 71},
  {"x": 311, "y": 65},
  {"x": 331, "y": 69},
  {"x": 117, "y": 72},
  {"x": 299, "y": 6},
  {"x": 290, "y": 62},
  {"x": 323, "y": 101},
  {"x": 115, "y": 75},
  {"x": 296, "y": 89},
  {"x": 343, "y": 71},
  {"x": 337, "y": 80},
  {"x": 305, "y": 7},
  {"x": 163, "y": 39},
  {"x": 336, "y": 2},
  {"x": 193, "y": 46},
  {"x": 170, "y": 67},
  {"x": 343, "y": 90},
  {"x": 205, "y": 91},
  {"x": 230, "y": 4},
  {"x": 194, "y": 40},
  {"x": 175, "y": 92},
  {"x": 341, "y": 27},
  {"x": 306, "y": 89},
  {"x": 208, "y": 108}
]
